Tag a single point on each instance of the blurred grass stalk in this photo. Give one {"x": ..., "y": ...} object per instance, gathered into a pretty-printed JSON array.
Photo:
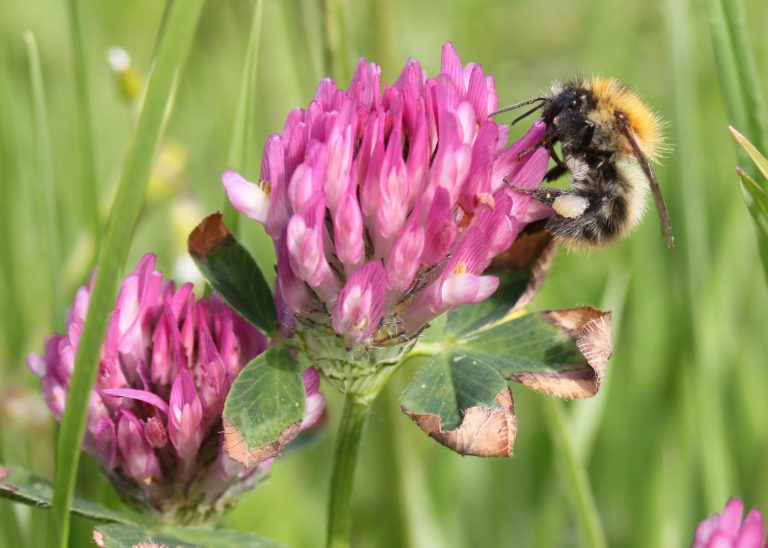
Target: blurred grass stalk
[
  {"x": 297, "y": 28},
  {"x": 13, "y": 320},
  {"x": 47, "y": 192},
  {"x": 335, "y": 48},
  {"x": 746, "y": 106},
  {"x": 89, "y": 188},
  {"x": 574, "y": 475},
  {"x": 245, "y": 116},
  {"x": 178, "y": 28},
  {"x": 712, "y": 443},
  {"x": 697, "y": 435}
]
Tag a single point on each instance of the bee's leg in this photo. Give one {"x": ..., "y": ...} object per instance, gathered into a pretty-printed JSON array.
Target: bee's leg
[
  {"x": 556, "y": 172},
  {"x": 544, "y": 195}
]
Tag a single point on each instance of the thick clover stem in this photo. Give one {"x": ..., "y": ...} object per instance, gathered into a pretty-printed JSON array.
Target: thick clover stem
[
  {"x": 575, "y": 476},
  {"x": 344, "y": 462}
]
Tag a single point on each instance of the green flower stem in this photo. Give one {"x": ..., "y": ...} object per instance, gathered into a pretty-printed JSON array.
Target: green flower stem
[
  {"x": 575, "y": 476},
  {"x": 179, "y": 23},
  {"x": 344, "y": 462}
]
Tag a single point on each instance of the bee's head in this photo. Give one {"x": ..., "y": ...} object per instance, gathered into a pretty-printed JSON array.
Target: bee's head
[{"x": 571, "y": 97}]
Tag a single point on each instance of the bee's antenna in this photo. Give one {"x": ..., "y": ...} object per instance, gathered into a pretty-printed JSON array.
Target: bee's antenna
[
  {"x": 525, "y": 114},
  {"x": 666, "y": 223},
  {"x": 518, "y": 105}
]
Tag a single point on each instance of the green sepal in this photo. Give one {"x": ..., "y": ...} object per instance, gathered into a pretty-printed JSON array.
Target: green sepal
[{"x": 233, "y": 273}]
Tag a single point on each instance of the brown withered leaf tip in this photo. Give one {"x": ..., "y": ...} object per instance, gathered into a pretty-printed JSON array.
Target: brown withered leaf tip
[
  {"x": 237, "y": 449},
  {"x": 484, "y": 432},
  {"x": 591, "y": 331},
  {"x": 98, "y": 538},
  {"x": 208, "y": 235}
]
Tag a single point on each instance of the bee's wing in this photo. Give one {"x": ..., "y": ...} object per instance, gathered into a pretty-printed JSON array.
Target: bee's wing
[{"x": 666, "y": 222}]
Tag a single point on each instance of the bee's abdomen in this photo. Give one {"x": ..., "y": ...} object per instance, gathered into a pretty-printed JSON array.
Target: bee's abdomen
[{"x": 604, "y": 221}]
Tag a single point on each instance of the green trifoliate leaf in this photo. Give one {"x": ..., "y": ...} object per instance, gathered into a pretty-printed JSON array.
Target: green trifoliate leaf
[
  {"x": 232, "y": 272},
  {"x": 265, "y": 407}
]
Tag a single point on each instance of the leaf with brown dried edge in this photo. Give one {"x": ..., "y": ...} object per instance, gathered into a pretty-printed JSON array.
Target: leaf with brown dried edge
[
  {"x": 232, "y": 272},
  {"x": 464, "y": 405},
  {"x": 459, "y": 396},
  {"x": 264, "y": 408},
  {"x": 124, "y": 536},
  {"x": 562, "y": 353}
]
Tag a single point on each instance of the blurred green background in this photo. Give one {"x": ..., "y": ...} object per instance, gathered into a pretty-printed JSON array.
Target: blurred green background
[{"x": 681, "y": 423}]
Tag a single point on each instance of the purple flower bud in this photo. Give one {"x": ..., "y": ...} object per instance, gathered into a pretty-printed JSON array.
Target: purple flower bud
[
  {"x": 105, "y": 440},
  {"x": 139, "y": 461},
  {"x": 167, "y": 364},
  {"x": 360, "y": 306},
  {"x": 155, "y": 432},
  {"x": 185, "y": 417},
  {"x": 348, "y": 231}
]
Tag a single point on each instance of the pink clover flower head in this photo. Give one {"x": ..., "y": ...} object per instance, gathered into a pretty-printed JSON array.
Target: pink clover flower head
[
  {"x": 727, "y": 530},
  {"x": 387, "y": 203},
  {"x": 167, "y": 364}
]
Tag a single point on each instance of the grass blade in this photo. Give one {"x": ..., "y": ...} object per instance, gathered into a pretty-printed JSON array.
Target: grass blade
[
  {"x": 757, "y": 203},
  {"x": 752, "y": 95},
  {"x": 722, "y": 46},
  {"x": 245, "y": 116},
  {"x": 13, "y": 321},
  {"x": 180, "y": 21},
  {"x": 45, "y": 165},
  {"x": 755, "y": 194},
  {"x": 744, "y": 98},
  {"x": 760, "y": 161},
  {"x": 89, "y": 189}
]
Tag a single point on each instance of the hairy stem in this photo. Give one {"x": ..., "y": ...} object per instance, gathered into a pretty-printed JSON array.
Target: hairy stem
[{"x": 344, "y": 462}]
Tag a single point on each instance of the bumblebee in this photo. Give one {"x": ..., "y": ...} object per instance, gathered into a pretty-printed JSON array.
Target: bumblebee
[{"x": 608, "y": 138}]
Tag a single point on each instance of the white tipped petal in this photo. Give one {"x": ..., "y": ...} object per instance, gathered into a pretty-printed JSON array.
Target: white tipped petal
[
  {"x": 246, "y": 197},
  {"x": 468, "y": 288}
]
